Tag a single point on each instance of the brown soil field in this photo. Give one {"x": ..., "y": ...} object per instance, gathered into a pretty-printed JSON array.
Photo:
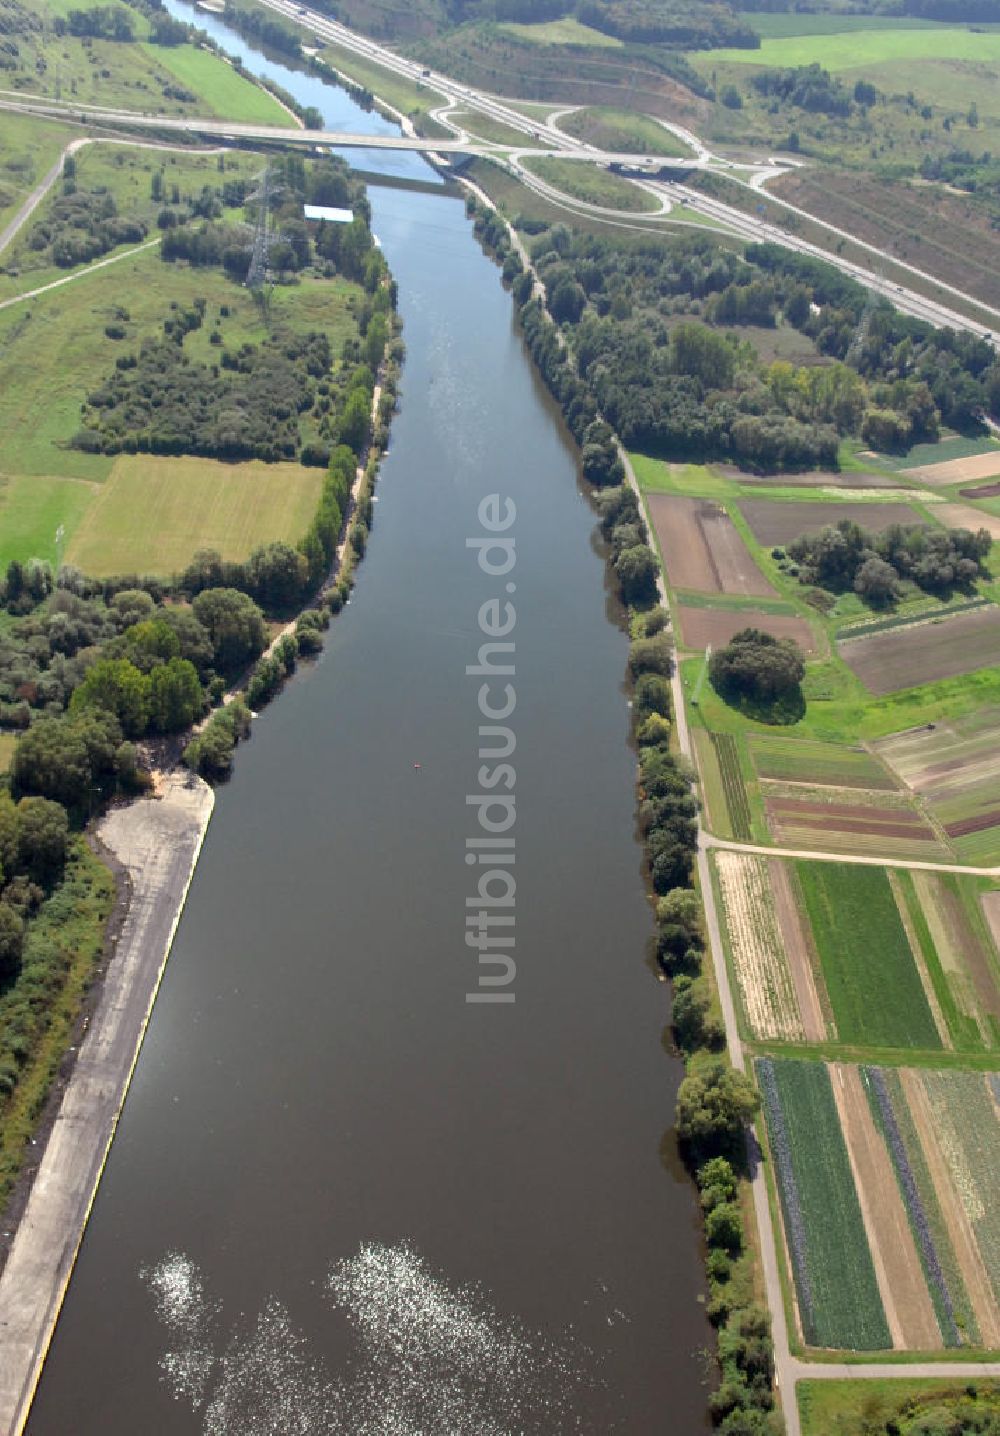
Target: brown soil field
[
  {"x": 702, "y": 548},
  {"x": 716, "y": 626},
  {"x": 812, "y": 816},
  {"x": 908, "y": 1309},
  {"x": 974, "y": 1273},
  {"x": 802, "y": 964},
  {"x": 956, "y": 471},
  {"x": 978, "y": 824},
  {"x": 945, "y": 234},
  {"x": 815, "y": 479},
  {"x": 963, "y": 954},
  {"x": 963, "y": 516},
  {"x": 905, "y": 658},
  {"x": 773, "y": 522},
  {"x": 983, "y": 491}
]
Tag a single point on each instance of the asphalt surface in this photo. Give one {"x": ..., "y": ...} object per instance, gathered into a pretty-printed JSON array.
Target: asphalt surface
[{"x": 158, "y": 841}]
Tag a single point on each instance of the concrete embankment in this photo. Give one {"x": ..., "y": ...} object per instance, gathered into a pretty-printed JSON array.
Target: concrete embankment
[{"x": 157, "y": 840}]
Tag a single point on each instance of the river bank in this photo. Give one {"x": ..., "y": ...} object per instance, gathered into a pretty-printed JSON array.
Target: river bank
[{"x": 157, "y": 842}]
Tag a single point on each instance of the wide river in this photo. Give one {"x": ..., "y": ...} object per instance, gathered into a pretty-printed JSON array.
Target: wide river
[{"x": 342, "y": 1200}]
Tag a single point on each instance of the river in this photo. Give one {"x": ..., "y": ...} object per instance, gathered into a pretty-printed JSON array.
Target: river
[{"x": 342, "y": 1199}]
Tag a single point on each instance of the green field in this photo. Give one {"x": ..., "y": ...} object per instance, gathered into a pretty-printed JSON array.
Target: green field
[
  {"x": 567, "y": 31},
  {"x": 187, "y": 504},
  {"x": 863, "y": 1408},
  {"x": 226, "y": 92},
  {"x": 800, "y": 761},
  {"x": 33, "y": 508},
  {"x": 587, "y": 182},
  {"x": 839, "y": 1302},
  {"x": 870, "y": 974},
  {"x": 865, "y": 47},
  {"x": 776, "y": 26},
  {"x": 620, "y": 130},
  {"x": 29, "y": 146}
]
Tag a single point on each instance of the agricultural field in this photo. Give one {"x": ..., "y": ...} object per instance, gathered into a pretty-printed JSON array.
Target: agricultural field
[
  {"x": 700, "y": 627},
  {"x": 593, "y": 185},
  {"x": 799, "y": 760},
  {"x": 908, "y": 1160},
  {"x": 187, "y": 504},
  {"x": 849, "y": 821},
  {"x": 864, "y": 47},
  {"x": 954, "y": 768},
  {"x": 963, "y": 469},
  {"x": 875, "y": 988},
  {"x": 780, "y": 523},
  {"x": 702, "y": 548},
  {"x": 733, "y": 785},
  {"x": 925, "y": 651},
  {"x": 33, "y": 509},
  {"x": 964, "y": 516},
  {"x": 837, "y": 1293},
  {"x": 770, "y": 950},
  {"x": 947, "y": 920}
]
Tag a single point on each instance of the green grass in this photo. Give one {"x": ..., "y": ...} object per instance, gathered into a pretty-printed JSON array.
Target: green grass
[
  {"x": 567, "y": 31},
  {"x": 153, "y": 514},
  {"x": 8, "y": 742},
  {"x": 778, "y": 26},
  {"x": 860, "y": 1408},
  {"x": 29, "y": 146},
  {"x": 698, "y": 480},
  {"x": 62, "y": 947},
  {"x": 32, "y": 508},
  {"x": 799, "y": 760},
  {"x": 624, "y": 132},
  {"x": 487, "y": 128},
  {"x": 838, "y": 1294},
  {"x": 870, "y": 974},
  {"x": 868, "y": 47},
  {"x": 219, "y": 87},
  {"x": 588, "y": 182}
]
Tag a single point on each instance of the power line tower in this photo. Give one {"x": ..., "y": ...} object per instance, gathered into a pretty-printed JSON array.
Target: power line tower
[
  {"x": 259, "y": 275},
  {"x": 860, "y": 336}
]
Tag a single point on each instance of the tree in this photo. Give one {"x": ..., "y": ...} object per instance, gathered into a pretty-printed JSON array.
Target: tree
[
  {"x": 175, "y": 696},
  {"x": 120, "y": 688},
  {"x": 43, "y": 831},
  {"x": 876, "y": 581},
  {"x": 62, "y": 758},
  {"x": 568, "y": 302},
  {"x": 724, "y": 1227},
  {"x": 11, "y": 942},
  {"x": 714, "y": 1105},
  {"x": 8, "y": 838},
  {"x": 355, "y": 420},
  {"x": 637, "y": 568},
  {"x": 235, "y": 625},
  {"x": 758, "y": 668},
  {"x": 277, "y": 575}
]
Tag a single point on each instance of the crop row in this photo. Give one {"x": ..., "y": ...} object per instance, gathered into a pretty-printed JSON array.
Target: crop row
[
  {"x": 733, "y": 785},
  {"x": 878, "y": 1095},
  {"x": 757, "y": 947},
  {"x": 968, "y": 1133},
  {"x": 839, "y": 1299}
]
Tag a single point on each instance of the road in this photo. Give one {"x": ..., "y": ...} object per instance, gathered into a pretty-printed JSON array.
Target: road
[{"x": 158, "y": 841}]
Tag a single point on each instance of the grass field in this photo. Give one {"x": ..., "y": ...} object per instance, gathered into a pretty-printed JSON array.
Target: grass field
[
  {"x": 567, "y": 31},
  {"x": 619, "y": 130},
  {"x": 860, "y": 1408},
  {"x": 33, "y": 508},
  {"x": 592, "y": 184},
  {"x": 487, "y": 128},
  {"x": 28, "y": 149},
  {"x": 851, "y": 50},
  {"x": 868, "y": 967},
  {"x": 777, "y": 26},
  {"x": 187, "y": 504},
  {"x": 7, "y": 744},
  {"x": 226, "y": 92},
  {"x": 838, "y": 1298}
]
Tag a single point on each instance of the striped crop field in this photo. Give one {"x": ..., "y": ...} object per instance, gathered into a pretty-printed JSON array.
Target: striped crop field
[
  {"x": 835, "y": 1283},
  {"x": 954, "y": 767},
  {"x": 757, "y": 947},
  {"x": 803, "y": 760},
  {"x": 868, "y": 965},
  {"x": 733, "y": 785}
]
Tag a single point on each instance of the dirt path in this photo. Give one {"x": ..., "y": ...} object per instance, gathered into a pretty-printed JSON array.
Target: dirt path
[
  {"x": 158, "y": 840},
  {"x": 974, "y": 1274},
  {"x": 864, "y": 859},
  {"x": 797, "y": 949},
  {"x": 908, "y": 1307}
]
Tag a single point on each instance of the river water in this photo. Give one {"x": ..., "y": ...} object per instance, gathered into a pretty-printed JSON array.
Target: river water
[{"x": 342, "y": 1199}]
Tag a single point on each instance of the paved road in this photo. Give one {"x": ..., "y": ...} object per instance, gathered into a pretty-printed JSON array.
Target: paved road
[{"x": 158, "y": 841}]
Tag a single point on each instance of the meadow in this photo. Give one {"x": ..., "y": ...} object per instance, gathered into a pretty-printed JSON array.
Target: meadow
[
  {"x": 862, "y": 47},
  {"x": 188, "y": 504},
  {"x": 622, "y": 131},
  {"x": 567, "y": 31},
  {"x": 593, "y": 185},
  {"x": 226, "y": 92}
]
